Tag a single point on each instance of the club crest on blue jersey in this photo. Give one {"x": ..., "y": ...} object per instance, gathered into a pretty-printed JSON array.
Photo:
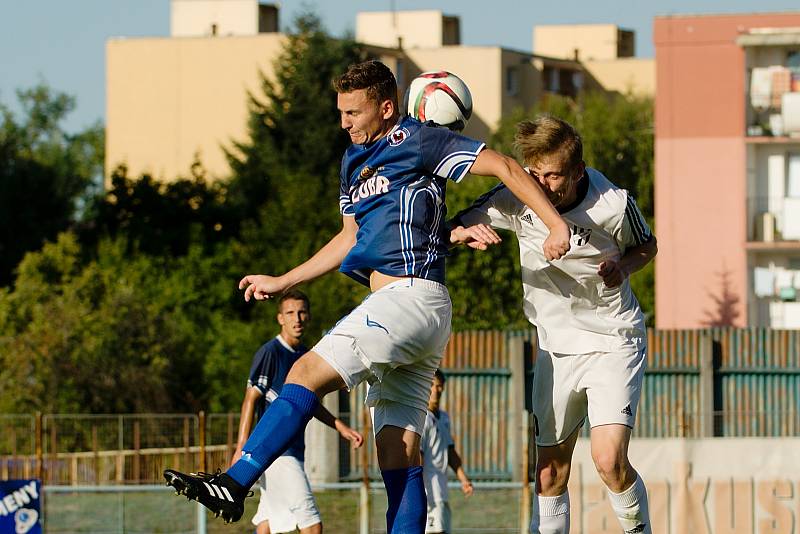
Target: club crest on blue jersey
[
  {"x": 375, "y": 185},
  {"x": 366, "y": 172},
  {"x": 397, "y": 136}
]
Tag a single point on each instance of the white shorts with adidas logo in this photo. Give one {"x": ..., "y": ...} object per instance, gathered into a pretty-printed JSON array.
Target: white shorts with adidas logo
[{"x": 568, "y": 388}]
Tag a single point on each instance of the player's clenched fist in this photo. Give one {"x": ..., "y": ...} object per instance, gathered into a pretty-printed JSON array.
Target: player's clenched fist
[
  {"x": 557, "y": 243},
  {"x": 261, "y": 286},
  {"x": 611, "y": 273}
]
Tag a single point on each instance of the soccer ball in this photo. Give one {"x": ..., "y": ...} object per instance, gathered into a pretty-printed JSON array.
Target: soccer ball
[{"x": 441, "y": 97}]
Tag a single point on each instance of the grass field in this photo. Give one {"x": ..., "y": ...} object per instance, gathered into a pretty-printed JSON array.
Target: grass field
[{"x": 488, "y": 511}]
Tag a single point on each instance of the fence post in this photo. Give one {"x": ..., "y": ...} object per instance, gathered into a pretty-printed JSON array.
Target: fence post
[
  {"x": 120, "y": 467},
  {"x": 229, "y": 450},
  {"x": 706, "y": 385},
  {"x": 187, "y": 445},
  {"x": 364, "y": 500},
  {"x": 38, "y": 448},
  {"x": 96, "y": 455},
  {"x": 53, "y": 453},
  {"x": 201, "y": 519},
  {"x": 516, "y": 364},
  {"x": 137, "y": 452},
  {"x": 525, "y": 500},
  {"x": 201, "y": 418}
]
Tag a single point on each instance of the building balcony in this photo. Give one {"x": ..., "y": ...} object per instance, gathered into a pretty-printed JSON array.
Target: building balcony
[
  {"x": 773, "y": 81},
  {"x": 773, "y": 223}
]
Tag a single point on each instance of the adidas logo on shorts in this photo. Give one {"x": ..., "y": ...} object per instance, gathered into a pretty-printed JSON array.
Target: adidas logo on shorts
[{"x": 627, "y": 410}]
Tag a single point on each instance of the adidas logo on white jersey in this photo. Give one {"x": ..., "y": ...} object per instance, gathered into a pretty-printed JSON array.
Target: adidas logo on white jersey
[{"x": 527, "y": 218}]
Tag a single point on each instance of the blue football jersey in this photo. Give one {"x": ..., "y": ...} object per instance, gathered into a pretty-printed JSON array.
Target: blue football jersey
[
  {"x": 395, "y": 188},
  {"x": 271, "y": 364}
]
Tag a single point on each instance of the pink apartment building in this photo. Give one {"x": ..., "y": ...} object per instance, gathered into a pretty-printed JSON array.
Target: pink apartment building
[{"x": 727, "y": 187}]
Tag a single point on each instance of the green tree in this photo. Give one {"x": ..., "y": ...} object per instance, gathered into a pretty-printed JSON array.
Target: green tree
[
  {"x": 119, "y": 333},
  {"x": 161, "y": 218},
  {"x": 285, "y": 174},
  {"x": 46, "y": 174}
]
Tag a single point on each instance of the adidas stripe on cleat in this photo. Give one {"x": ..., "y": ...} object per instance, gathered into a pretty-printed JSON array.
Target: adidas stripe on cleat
[{"x": 218, "y": 492}]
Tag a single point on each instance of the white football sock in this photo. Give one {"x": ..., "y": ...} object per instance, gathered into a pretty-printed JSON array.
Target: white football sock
[
  {"x": 550, "y": 514},
  {"x": 631, "y": 508}
]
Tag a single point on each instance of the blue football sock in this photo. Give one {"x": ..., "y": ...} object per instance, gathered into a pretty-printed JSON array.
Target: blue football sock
[
  {"x": 285, "y": 419},
  {"x": 407, "y": 509}
]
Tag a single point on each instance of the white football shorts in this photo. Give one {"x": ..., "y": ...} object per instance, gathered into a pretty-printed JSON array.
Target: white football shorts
[
  {"x": 395, "y": 340},
  {"x": 439, "y": 517},
  {"x": 286, "y": 499},
  {"x": 567, "y": 388}
]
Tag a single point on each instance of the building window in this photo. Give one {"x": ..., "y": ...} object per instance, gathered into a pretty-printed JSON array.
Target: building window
[
  {"x": 551, "y": 79},
  {"x": 793, "y": 176},
  {"x": 512, "y": 81}
]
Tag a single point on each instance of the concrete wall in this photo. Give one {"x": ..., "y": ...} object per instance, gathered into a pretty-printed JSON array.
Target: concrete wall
[
  {"x": 418, "y": 29},
  {"x": 706, "y": 486},
  {"x": 592, "y": 41},
  {"x": 625, "y": 75},
  {"x": 700, "y": 165},
  {"x": 196, "y": 17},
  {"x": 171, "y": 99}
]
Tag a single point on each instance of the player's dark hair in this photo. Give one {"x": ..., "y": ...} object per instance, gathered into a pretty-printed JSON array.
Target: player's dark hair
[
  {"x": 548, "y": 136},
  {"x": 373, "y": 76},
  {"x": 440, "y": 375},
  {"x": 294, "y": 294}
]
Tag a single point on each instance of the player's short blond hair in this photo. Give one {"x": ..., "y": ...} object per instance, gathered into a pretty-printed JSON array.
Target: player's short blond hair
[{"x": 548, "y": 136}]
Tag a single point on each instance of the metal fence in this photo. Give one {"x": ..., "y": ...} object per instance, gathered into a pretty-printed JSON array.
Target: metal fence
[{"x": 699, "y": 383}]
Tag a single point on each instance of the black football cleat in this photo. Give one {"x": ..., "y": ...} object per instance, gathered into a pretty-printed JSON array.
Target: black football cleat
[{"x": 218, "y": 492}]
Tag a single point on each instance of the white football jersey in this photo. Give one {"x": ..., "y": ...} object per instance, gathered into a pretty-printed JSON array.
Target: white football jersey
[
  {"x": 573, "y": 310},
  {"x": 434, "y": 444}
]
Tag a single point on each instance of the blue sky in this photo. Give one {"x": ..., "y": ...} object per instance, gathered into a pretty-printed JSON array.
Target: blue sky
[{"x": 62, "y": 43}]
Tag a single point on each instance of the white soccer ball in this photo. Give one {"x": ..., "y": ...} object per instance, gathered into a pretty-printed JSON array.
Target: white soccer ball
[{"x": 441, "y": 97}]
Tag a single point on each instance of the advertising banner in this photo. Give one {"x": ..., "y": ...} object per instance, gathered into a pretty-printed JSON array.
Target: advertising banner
[
  {"x": 20, "y": 507},
  {"x": 701, "y": 486}
]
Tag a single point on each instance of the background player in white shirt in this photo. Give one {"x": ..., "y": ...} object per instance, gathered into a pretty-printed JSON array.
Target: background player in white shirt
[
  {"x": 591, "y": 330},
  {"x": 439, "y": 453}
]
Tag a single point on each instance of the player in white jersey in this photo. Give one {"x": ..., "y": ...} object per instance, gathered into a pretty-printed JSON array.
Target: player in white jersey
[
  {"x": 438, "y": 453},
  {"x": 591, "y": 330}
]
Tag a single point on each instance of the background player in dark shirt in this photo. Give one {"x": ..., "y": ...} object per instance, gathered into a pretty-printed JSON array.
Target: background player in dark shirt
[{"x": 291, "y": 505}]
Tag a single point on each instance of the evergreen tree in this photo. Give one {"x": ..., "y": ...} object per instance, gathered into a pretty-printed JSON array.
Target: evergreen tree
[
  {"x": 285, "y": 180},
  {"x": 46, "y": 174}
]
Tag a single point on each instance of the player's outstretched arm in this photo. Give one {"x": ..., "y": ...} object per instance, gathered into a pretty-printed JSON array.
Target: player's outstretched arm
[
  {"x": 478, "y": 236},
  {"x": 328, "y": 258},
  {"x": 635, "y": 258},
  {"x": 492, "y": 163},
  {"x": 454, "y": 461},
  {"x": 353, "y": 436},
  {"x": 251, "y": 396}
]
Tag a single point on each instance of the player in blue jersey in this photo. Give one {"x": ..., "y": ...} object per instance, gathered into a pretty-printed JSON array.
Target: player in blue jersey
[
  {"x": 286, "y": 500},
  {"x": 393, "y": 238}
]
